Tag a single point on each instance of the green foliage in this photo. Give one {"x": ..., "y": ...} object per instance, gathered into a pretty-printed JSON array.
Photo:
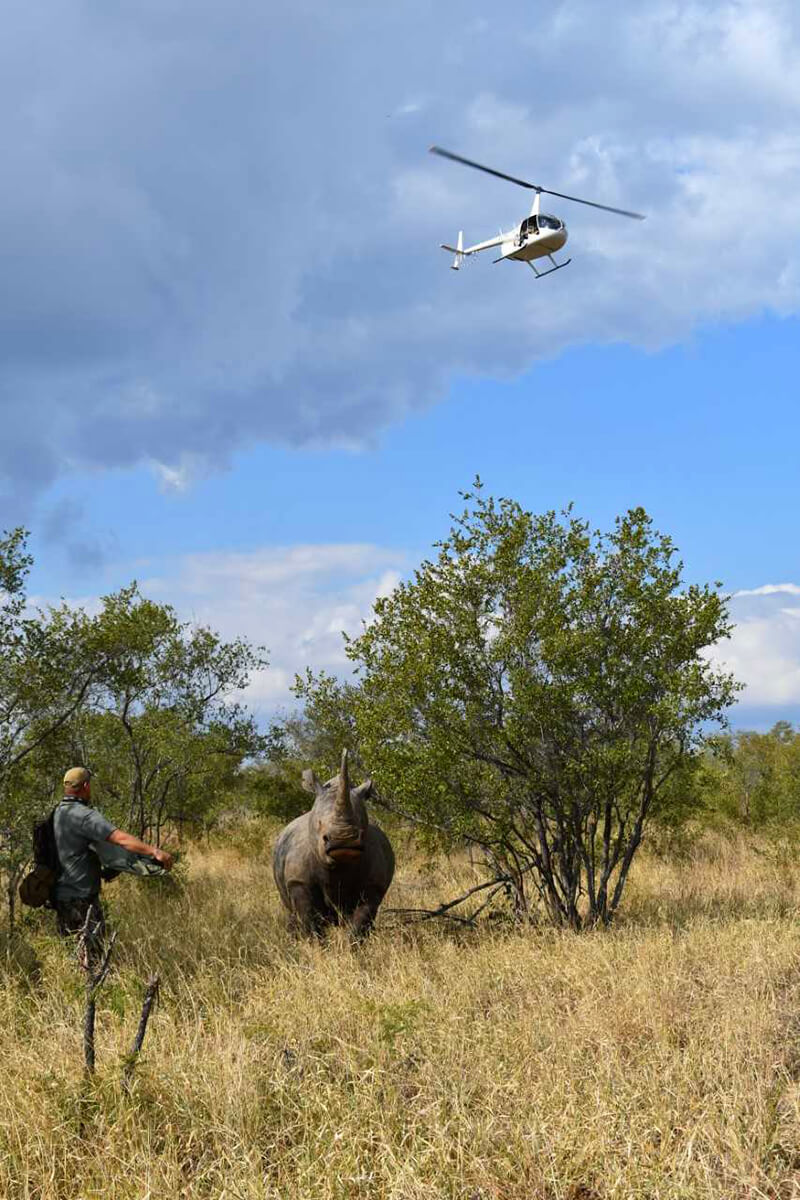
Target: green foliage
[
  {"x": 317, "y": 736},
  {"x": 161, "y": 726},
  {"x": 753, "y": 779},
  {"x": 394, "y": 1021},
  {"x": 539, "y": 689},
  {"x": 47, "y": 666},
  {"x": 47, "y": 663},
  {"x": 314, "y": 738},
  {"x": 145, "y": 700},
  {"x": 273, "y": 789}
]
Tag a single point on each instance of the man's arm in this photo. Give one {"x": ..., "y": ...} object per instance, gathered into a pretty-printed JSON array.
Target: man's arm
[{"x": 128, "y": 842}]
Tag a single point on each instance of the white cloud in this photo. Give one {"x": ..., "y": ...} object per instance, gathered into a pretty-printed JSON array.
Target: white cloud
[
  {"x": 176, "y": 478},
  {"x": 770, "y": 589},
  {"x": 212, "y": 234},
  {"x": 295, "y": 600},
  {"x": 764, "y": 649},
  {"x": 298, "y": 600}
]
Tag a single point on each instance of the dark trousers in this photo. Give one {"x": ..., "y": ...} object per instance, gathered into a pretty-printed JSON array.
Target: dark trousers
[{"x": 71, "y": 919}]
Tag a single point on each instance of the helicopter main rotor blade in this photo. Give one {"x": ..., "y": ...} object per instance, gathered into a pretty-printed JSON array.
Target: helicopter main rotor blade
[
  {"x": 621, "y": 212},
  {"x": 479, "y": 167},
  {"x": 533, "y": 187}
]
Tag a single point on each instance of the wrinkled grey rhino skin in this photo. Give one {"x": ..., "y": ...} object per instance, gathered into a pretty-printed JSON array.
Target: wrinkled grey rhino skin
[{"x": 331, "y": 865}]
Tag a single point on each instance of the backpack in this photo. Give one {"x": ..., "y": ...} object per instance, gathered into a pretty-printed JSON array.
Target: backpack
[{"x": 36, "y": 889}]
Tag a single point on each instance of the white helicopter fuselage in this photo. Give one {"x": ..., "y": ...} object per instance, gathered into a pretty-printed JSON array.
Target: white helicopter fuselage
[
  {"x": 525, "y": 245},
  {"x": 539, "y": 235}
]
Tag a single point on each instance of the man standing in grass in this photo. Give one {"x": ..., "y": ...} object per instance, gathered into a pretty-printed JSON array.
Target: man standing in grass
[{"x": 76, "y": 825}]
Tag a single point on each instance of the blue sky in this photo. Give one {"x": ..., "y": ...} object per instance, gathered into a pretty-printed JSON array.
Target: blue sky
[
  {"x": 700, "y": 434},
  {"x": 234, "y": 363}
]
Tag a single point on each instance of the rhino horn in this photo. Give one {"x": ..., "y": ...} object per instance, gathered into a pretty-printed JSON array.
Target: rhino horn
[{"x": 343, "y": 807}]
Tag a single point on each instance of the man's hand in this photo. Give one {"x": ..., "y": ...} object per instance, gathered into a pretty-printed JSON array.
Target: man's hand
[{"x": 164, "y": 859}]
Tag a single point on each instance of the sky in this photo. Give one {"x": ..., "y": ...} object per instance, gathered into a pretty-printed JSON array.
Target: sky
[{"x": 235, "y": 365}]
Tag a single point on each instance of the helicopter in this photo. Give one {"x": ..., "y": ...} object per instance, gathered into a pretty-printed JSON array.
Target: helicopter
[{"x": 539, "y": 235}]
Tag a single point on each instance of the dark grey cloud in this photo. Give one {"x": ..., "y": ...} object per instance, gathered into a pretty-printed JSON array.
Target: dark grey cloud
[
  {"x": 218, "y": 222},
  {"x": 63, "y": 523},
  {"x": 59, "y": 520}
]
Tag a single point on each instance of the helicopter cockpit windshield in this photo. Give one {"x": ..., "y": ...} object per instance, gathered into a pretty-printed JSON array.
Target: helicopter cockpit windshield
[{"x": 542, "y": 223}]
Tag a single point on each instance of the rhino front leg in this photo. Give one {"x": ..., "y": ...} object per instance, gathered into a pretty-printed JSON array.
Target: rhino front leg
[
  {"x": 305, "y": 912},
  {"x": 364, "y": 915}
]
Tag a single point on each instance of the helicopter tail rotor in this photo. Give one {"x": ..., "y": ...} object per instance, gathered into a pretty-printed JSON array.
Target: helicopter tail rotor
[{"x": 457, "y": 250}]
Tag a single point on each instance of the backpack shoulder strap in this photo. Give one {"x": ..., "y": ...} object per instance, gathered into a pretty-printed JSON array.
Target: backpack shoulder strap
[{"x": 50, "y": 842}]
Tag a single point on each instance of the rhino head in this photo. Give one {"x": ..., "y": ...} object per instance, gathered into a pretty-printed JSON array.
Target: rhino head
[{"x": 338, "y": 819}]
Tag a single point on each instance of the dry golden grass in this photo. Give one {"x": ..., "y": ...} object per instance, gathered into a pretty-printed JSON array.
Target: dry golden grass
[{"x": 659, "y": 1059}]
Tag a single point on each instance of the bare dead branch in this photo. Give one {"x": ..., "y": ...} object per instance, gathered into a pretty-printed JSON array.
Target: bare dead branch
[
  {"x": 150, "y": 997},
  {"x": 426, "y": 914},
  {"x": 94, "y": 982}
]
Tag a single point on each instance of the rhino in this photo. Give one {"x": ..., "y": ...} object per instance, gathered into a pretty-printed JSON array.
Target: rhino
[{"x": 331, "y": 866}]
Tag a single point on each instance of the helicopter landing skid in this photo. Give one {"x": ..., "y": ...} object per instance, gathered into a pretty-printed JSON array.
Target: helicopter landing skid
[{"x": 555, "y": 267}]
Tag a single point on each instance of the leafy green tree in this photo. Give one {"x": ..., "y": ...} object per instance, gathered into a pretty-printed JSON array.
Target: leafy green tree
[
  {"x": 273, "y": 789},
  {"x": 48, "y": 664},
  {"x": 755, "y": 779},
  {"x": 162, "y": 726},
  {"x": 538, "y": 690},
  {"x": 316, "y": 736},
  {"x": 148, "y": 701}
]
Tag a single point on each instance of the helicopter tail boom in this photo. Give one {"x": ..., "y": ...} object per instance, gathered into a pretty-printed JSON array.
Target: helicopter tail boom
[{"x": 461, "y": 251}]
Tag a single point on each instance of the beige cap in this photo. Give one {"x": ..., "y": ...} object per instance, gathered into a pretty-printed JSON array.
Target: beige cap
[{"x": 76, "y": 777}]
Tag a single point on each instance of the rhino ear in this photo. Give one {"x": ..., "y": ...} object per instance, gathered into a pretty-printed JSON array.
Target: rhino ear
[
  {"x": 364, "y": 790},
  {"x": 311, "y": 783}
]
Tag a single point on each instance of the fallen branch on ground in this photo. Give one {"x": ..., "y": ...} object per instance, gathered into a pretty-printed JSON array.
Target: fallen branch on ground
[{"x": 425, "y": 914}]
